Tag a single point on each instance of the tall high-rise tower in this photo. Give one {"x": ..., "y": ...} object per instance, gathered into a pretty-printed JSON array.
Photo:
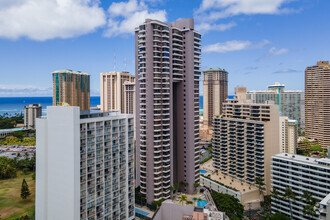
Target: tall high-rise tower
[
  {"x": 317, "y": 103},
  {"x": 215, "y": 92},
  {"x": 72, "y": 87},
  {"x": 167, "y": 106}
]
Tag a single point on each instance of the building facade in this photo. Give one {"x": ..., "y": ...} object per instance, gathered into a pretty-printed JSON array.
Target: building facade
[
  {"x": 240, "y": 93},
  {"x": 291, "y": 102},
  {"x": 72, "y": 87},
  {"x": 325, "y": 208},
  {"x": 113, "y": 86},
  {"x": 129, "y": 97},
  {"x": 215, "y": 92},
  {"x": 167, "y": 106},
  {"x": 288, "y": 135},
  {"x": 317, "y": 105},
  {"x": 301, "y": 174},
  {"x": 244, "y": 139},
  {"x": 85, "y": 165},
  {"x": 31, "y": 112}
]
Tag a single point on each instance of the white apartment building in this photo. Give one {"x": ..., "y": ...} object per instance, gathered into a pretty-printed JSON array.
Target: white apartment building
[
  {"x": 85, "y": 165},
  {"x": 325, "y": 208},
  {"x": 300, "y": 173},
  {"x": 288, "y": 135}
]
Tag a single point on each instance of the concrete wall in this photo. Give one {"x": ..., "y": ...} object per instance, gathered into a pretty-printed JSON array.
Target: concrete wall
[
  {"x": 58, "y": 181},
  {"x": 219, "y": 188}
]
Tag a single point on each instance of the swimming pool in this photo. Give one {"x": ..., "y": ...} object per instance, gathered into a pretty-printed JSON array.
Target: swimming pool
[
  {"x": 202, "y": 203},
  {"x": 141, "y": 212},
  {"x": 202, "y": 171}
]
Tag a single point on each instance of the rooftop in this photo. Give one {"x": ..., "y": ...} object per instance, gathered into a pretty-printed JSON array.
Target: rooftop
[
  {"x": 299, "y": 158},
  {"x": 70, "y": 71},
  {"x": 326, "y": 200},
  {"x": 11, "y": 130},
  {"x": 214, "y": 69},
  {"x": 274, "y": 92}
]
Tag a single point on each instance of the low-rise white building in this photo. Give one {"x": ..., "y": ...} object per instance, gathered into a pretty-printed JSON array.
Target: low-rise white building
[{"x": 85, "y": 165}]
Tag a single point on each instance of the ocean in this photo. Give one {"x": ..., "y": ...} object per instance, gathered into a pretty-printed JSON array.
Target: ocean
[{"x": 13, "y": 105}]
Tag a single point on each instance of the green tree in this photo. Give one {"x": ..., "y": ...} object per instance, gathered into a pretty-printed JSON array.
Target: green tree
[
  {"x": 316, "y": 148},
  {"x": 309, "y": 208},
  {"x": 260, "y": 183},
  {"x": 275, "y": 194},
  {"x": 195, "y": 200},
  {"x": 196, "y": 185},
  {"x": 182, "y": 198},
  {"x": 228, "y": 204},
  {"x": 279, "y": 216},
  {"x": 25, "y": 192},
  {"x": 266, "y": 204},
  {"x": 290, "y": 196}
]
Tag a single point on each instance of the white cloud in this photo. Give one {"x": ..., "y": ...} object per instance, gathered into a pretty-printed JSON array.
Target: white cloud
[
  {"x": 233, "y": 45},
  {"x": 205, "y": 27},
  {"x": 24, "y": 90},
  {"x": 48, "y": 19},
  {"x": 125, "y": 16},
  {"x": 217, "y": 9},
  {"x": 274, "y": 52},
  {"x": 287, "y": 71}
]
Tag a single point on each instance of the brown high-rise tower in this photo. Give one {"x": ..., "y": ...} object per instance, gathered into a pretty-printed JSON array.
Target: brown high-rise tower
[
  {"x": 215, "y": 92},
  {"x": 72, "y": 87},
  {"x": 317, "y": 103},
  {"x": 167, "y": 106}
]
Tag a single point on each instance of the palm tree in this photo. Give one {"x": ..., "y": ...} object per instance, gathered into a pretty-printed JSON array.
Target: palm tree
[
  {"x": 290, "y": 196},
  {"x": 172, "y": 189},
  {"x": 309, "y": 208},
  {"x": 176, "y": 187},
  {"x": 275, "y": 194},
  {"x": 182, "y": 198},
  {"x": 199, "y": 200},
  {"x": 195, "y": 200},
  {"x": 196, "y": 185},
  {"x": 260, "y": 183}
]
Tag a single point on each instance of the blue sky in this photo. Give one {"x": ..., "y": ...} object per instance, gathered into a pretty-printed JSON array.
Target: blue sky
[{"x": 258, "y": 42}]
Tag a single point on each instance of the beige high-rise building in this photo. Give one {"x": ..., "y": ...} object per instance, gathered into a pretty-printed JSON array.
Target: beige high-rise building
[
  {"x": 288, "y": 135},
  {"x": 245, "y": 138},
  {"x": 72, "y": 87},
  {"x": 129, "y": 97},
  {"x": 240, "y": 93},
  {"x": 317, "y": 103},
  {"x": 112, "y": 87},
  {"x": 215, "y": 92},
  {"x": 31, "y": 112}
]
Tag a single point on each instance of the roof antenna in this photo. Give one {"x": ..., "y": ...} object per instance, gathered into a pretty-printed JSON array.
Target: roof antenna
[
  {"x": 114, "y": 60},
  {"x": 125, "y": 63}
]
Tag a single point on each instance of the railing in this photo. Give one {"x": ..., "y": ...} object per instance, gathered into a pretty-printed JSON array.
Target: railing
[{"x": 209, "y": 200}]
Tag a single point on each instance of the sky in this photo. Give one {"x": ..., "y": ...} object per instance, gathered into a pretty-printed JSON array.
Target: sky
[{"x": 258, "y": 42}]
